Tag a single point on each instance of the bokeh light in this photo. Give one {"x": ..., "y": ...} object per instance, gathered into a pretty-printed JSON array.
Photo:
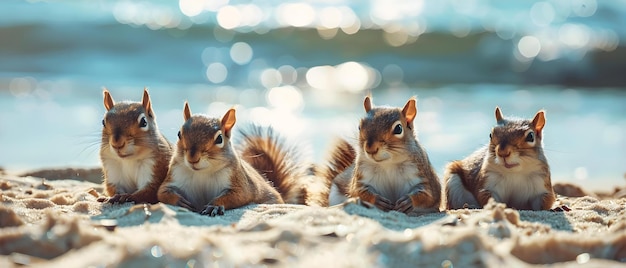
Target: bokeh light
[
  {"x": 529, "y": 46},
  {"x": 216, "y": 72},
  {"x": 191, "y": 7},
  {"x": 574, "y": 35},
  {"x": 271, "y": 78},
  {"x": 542, "y": 13},
  {"x": 286, "y": 98},
  {"x": 295, "y": 14},
  {"x": 229, "y": 17},
  {"x": 241, "y": 53},
  {"x": 348, "y": 76}
]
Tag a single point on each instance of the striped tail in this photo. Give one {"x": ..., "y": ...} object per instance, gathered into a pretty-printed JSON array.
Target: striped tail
[
  {"x": 337, "y": 173},
  {"x": 273, "y": 158},
  {"x": 342, "y": 156}
]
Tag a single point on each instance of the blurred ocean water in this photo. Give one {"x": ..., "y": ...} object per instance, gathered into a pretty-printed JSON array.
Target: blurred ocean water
[{"x": 305, "y": 66}]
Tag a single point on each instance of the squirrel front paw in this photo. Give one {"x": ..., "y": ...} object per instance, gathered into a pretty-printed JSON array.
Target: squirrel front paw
[
  {"x": 184, "y": 203},
  {"x": 120, "y": 198},
  {"x": 404, "y": 204},
  {"x": 212, "y": 211},
  {"x": 383, "y": 203}
]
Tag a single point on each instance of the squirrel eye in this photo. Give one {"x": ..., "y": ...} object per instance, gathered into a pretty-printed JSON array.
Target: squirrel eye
[
  {"x": 179, "y": 134},
  {"x": 530, "y": 137},
  {"x": 219, "y": 139},
  {"x": 103, "y": 123},
  {"x": 397, "y": 130},
  {"x": 143, "y": 122},
  {"x": 490, "y": 136}
]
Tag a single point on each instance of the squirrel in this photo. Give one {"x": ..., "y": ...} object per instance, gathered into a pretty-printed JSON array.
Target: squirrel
[
  {"x": 133, "y": 153},
  {"x": 207, "y": 175},
  {"x": 511, "y": 169},
  {"x": 391, "y": 170}
]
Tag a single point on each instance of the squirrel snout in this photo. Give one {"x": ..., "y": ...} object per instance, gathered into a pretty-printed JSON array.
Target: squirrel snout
[
  {"x": 504, "y": 153},
  {"x": 371, "y": 150},
  {"x": 118, "y": 145},
  {"x": 193, "y": 160},
  {"x": 371, "y": 146}
]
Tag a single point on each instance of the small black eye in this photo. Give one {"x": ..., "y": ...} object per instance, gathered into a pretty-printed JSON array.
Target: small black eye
[
  {"x": 490, "y": 136},
  {"x": 143, "y": 122},
  {"x": 397, "y": 130},
  {"x": 530, "y": 137},
  {"x": 219, "y": 139},
  {"x": 103, "y": 123},
  {"x": 179, "y": 134}
]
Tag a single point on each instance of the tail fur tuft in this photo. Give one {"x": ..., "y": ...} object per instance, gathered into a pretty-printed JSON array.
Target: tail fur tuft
[
  {"x": 279, "y": 162},
  {"x": 342, "y": 156}
]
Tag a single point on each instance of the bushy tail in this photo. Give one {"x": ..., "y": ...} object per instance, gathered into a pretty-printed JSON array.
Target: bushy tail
[
  {"x": 279, "y": 162},
  {"x": 341, "y": 156},
  {"x": 337, "y": 171}
]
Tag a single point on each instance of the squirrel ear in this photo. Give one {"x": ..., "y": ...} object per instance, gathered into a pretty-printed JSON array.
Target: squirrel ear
[
  {"x": 108, "y": 100},
  {"x": 539, "y": 121},
  {"x": 228, "y": 121},
  {"x": 367, "y": 103},
  {"x": 499, "y": 116},
  {"x": 186, "y": 111},
  {"x": 146, "y": 103},
  {"x": 410, "y": 110}
]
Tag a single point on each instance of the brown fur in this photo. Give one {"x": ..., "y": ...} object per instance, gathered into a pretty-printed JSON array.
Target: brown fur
[
  {"x": 339, "y": 168},
  {"x": 269, "y": 154},
  {"x": 197, "y": 141},
  {"x": 404, "y": 154},
  {"x": 508, "y": 137},
  {"x": 120, "y": 128},
  {"x": 316, "y": 190}
]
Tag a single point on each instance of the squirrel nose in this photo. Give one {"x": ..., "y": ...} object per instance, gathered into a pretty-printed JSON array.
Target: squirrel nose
[
  {"x": 193, "y": 160},
  {"x": 504, "y": 154},
  {"x": 371, "y": 150},
  {"x": 117, "y": 146}
]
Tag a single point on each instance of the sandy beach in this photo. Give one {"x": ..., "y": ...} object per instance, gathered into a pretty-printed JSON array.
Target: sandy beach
[{"x": 53, "y": 223}]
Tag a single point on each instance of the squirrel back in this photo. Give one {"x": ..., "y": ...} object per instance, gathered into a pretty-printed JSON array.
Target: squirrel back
[
  {"x": 279, "y": 162},
  {"x": 512, "y": 168},
  {"x": 392, "y": 170},
  {"x": 206, "y": 174},
  {"x": 133, "y": 153}
]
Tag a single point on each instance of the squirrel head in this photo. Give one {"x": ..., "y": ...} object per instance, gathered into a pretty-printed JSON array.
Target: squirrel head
[
  {"x": 384, "y": 132},
  {"x": 516, "y": 142},
  {"x": 128, "y": 128},
  {"x": 204, "y": 142}
]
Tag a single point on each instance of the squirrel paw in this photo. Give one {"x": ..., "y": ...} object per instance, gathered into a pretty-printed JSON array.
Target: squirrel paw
[
  {"x": 562, "y": 208},
  {"x": 120, "y": 198},
  {"x": 212, "y": 211},
  {"x": 404, "y": 204},
  {"x": 383, "y": 203},
  {"x": 184, "y": 203}
]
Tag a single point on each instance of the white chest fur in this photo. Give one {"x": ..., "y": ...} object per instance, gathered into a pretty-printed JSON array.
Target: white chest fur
[
  {"x": 200, "y": 187},
  {"x": 516, "y": 189},
  {"x": 129, "y": 175},
  {"x": 390, "y": 180}
]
